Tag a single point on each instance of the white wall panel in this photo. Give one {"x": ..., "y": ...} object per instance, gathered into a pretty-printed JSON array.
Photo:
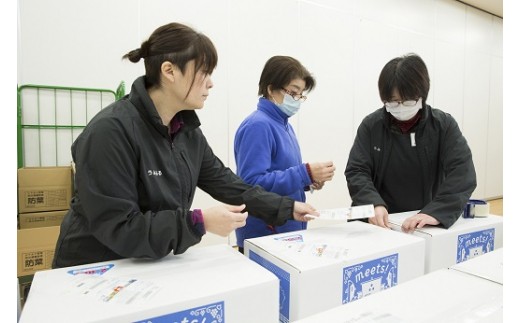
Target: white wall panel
[
  {"x": 476, "y": 110},
  {"x": 75, "y": 43},
  {"x": 494, "y": 164},
  {"x": 449, "y": 65},
  {"x": 414, "y": 15},
  {"x": 497, "y": 43},
  {"x": 479, "y": 31},
  {"x": 375, "y": 45},
  {"x": 338, "y": 6},
  {"x": 450, "y": 21}
]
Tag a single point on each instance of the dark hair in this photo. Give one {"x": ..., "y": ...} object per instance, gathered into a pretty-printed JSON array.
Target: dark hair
[
  {"x": 279, "y": 71},
  {"x": 178, "y": 44},
  {"x": 408, "y": 75}
]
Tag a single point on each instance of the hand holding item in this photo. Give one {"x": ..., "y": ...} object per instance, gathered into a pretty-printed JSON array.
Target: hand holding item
[
  {"x": 381, "y": 217},
  {"x": 223, "y": 219},
  {"x": 322, "y": 171},
  {"x": 302, "y": 209}
]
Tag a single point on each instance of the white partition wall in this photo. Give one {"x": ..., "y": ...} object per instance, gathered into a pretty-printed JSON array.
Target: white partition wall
[{"x": 344, "y": 43}]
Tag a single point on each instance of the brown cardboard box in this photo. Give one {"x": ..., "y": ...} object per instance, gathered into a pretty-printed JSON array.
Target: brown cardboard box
[
  {"x": 36, "y": 249},
  {"x": 41, "y": 219},
  {"x": 44, "y": 188}
]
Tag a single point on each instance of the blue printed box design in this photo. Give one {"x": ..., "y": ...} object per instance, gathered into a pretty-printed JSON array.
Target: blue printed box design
[
  {"x": 474, "y": 244},
  {"x": 285, "y": 283},
  {"x": 369, "y": 277},
  {"x": 211, "y": 313}
]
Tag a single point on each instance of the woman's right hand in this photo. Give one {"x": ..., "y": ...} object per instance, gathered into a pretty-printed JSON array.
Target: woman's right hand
[
  {"x": 322, "y": 172},
  {"x": 381, "y": 218},
  {"x": 301, "y": 210},
  {"x": 223, "y": 219}
]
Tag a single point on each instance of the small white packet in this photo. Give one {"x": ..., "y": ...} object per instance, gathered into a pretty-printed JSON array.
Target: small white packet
[
  {"x": 350, "y": 213},
  {"x": 362, "y": 212}
]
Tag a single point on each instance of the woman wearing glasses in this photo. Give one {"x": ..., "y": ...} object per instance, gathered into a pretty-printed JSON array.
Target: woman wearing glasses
[
  {"x": 267, "y": 152},
  {"x": 409, "y": 156}
]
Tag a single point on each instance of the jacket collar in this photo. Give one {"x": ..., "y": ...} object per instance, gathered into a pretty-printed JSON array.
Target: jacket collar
[
  {"x": 140, "y": 99},
  {"x": 272, "y": 110}
]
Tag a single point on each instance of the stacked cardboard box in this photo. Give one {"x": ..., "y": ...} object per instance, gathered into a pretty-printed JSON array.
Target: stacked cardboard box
[
  {"x": 44, "y": 194},
  {"x": 42, "y": 189},
  {"x": 40, "y": 219}
]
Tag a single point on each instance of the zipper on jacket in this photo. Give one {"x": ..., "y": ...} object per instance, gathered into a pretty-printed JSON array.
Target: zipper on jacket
[{"x": 188, "y": 180}]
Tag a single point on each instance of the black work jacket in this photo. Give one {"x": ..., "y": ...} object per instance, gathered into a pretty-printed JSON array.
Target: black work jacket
[
  {"x": 448, "y": 173},
  {"x": 134, "y": 186}
]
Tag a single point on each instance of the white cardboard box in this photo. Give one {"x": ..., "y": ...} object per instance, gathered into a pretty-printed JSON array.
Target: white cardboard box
[
  {"x": 328, "y": 266},
  {"x": 210, "y": 284},
  {"x": 489, "y": 266},
  {"x": 445, "y": 295},
  {"x": 465, "y": 239}
]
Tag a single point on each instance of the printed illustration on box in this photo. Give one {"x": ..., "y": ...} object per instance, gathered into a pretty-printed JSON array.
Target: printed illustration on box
[
  {"x": 209, "y": 313},
  {"x": 369, "y": 277},
  {"x": 475, "y": 244}
]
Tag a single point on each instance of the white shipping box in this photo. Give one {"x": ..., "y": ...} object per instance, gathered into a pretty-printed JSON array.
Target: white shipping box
[
  {"x": 210, "y": 284},
  {"x": 445, "y": 295},
  {"x": 489, "y": 266},
  {"x": 328, "y": 266},
  {"x": 465, "y": 239}
]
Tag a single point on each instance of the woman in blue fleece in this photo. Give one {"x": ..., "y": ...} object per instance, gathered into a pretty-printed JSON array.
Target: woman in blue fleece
[{"x": 267, "y": 152}]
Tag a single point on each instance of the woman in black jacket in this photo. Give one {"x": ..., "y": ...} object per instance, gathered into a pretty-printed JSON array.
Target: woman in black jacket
[
  {"x": 409, "y": 156},
  {"x": 139, "y": 161}
]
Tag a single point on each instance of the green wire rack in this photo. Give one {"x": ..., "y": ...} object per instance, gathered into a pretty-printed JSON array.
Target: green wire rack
[{"x": 49, "y": 119}]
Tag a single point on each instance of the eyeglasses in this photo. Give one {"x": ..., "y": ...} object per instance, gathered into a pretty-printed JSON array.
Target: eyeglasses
[
  {"x": 395, "y": 104},
  {"x": 296, "y": 96}
]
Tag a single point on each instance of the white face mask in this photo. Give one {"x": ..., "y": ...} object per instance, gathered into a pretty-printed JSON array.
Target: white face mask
[
  {"x": 289, "y": 106},
  {"x": 404, "y": 113}
]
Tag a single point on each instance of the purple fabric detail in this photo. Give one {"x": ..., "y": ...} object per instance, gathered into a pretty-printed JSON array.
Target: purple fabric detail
[
  {"x": 198, "y": 221},
  {"x": 175, "y": 125}
]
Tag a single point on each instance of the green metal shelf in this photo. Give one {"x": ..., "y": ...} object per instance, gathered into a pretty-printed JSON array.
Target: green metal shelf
[{"x": 78, "y": 102}]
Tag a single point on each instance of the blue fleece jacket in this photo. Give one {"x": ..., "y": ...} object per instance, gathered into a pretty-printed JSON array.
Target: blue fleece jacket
[{"x": 267, "y": 153}]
